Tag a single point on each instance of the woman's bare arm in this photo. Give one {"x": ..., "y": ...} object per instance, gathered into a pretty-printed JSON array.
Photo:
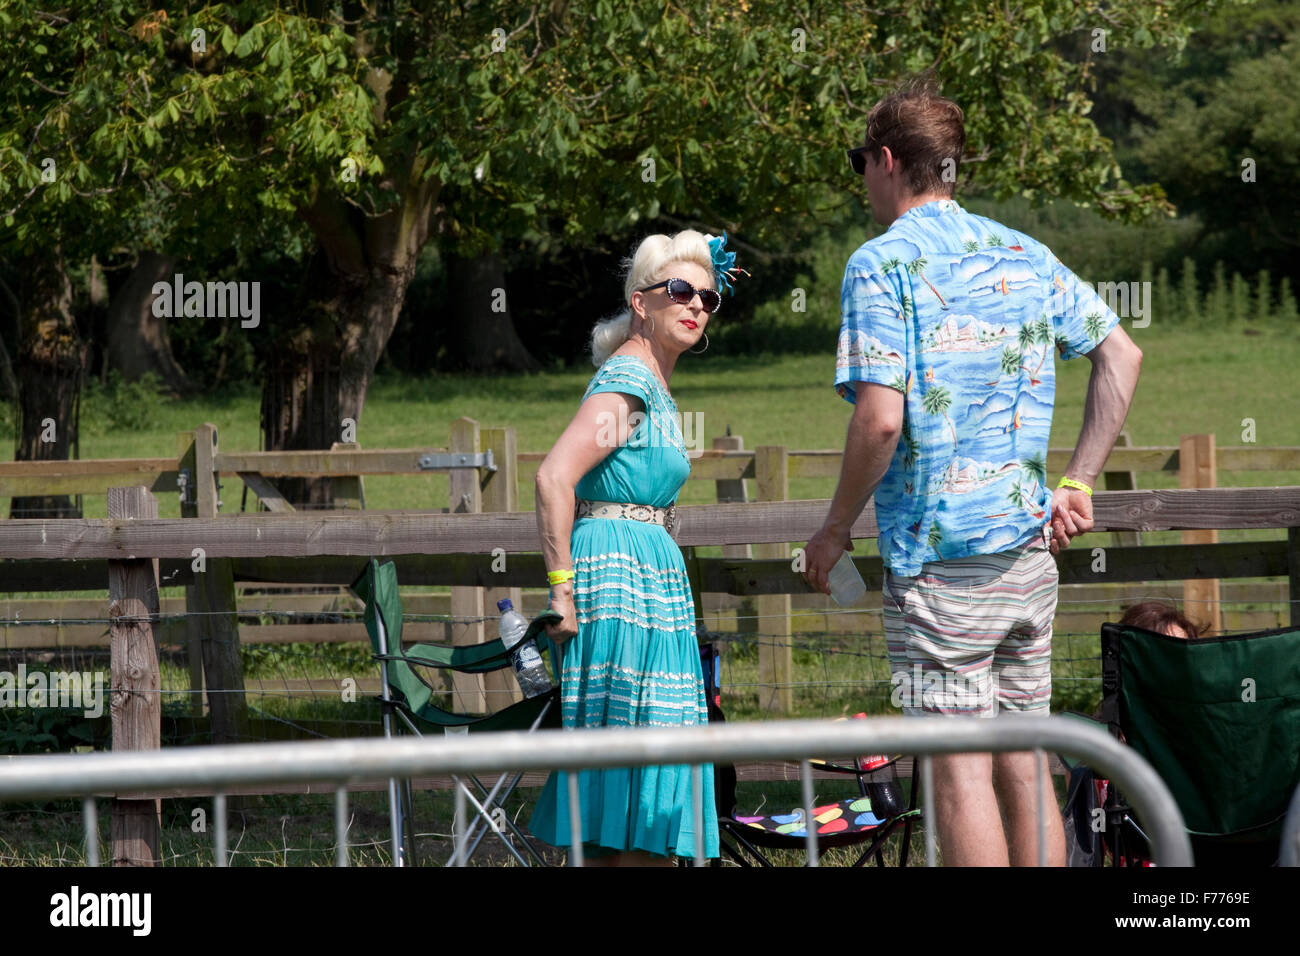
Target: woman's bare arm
[{"x": 602, "y": 423}]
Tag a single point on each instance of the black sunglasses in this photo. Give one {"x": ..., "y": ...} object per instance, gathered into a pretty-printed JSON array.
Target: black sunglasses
[
  {"x": 858, "y": 159},
  {"x": 681, "y": 292}
]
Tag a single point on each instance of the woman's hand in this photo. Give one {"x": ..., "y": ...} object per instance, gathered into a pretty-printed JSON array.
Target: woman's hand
[{"x": 562, "y": 604}]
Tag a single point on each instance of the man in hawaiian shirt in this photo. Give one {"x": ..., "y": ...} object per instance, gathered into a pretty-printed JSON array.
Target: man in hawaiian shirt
[{"x": 949, "y": 322}]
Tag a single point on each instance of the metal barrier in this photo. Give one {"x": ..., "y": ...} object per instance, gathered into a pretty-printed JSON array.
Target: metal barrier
[{"x": 342, "y": 761}]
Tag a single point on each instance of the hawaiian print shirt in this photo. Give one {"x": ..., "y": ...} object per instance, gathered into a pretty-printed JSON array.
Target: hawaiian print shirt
[{"x": 960, "y": 314}]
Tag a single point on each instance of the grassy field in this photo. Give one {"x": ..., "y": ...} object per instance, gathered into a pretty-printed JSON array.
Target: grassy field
[
  {"x": 299, "y": 830},
  {"x": 1193, "y": 380}
]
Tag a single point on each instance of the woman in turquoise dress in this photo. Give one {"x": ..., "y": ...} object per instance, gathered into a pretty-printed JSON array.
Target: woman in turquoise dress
[{"x": 604, "y": 502}]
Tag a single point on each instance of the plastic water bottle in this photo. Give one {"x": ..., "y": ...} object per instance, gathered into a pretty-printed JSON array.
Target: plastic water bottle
[{"x": 526, "y": 659}]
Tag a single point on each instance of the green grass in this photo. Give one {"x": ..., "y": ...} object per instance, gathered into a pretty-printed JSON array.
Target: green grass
[
  {"x": 298, "y": 830},
  {"x": 1193, "y": 380}
]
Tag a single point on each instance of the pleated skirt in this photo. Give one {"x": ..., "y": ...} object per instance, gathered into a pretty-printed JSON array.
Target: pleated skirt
[{"x": 635, "y": 662}]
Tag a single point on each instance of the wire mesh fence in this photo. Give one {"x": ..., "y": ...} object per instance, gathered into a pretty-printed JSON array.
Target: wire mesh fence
[{"x": 329, "y": 689}]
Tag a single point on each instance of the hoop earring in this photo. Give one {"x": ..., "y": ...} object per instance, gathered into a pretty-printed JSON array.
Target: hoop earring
[{"x": 706, "y": 346}]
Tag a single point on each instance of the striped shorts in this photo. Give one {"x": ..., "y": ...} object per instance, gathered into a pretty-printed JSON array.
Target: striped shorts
[{"x": 973, "y": 636}]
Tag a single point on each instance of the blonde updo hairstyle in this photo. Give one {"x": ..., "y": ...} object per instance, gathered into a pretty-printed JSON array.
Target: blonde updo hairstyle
[{"x": 648, "y": 265}]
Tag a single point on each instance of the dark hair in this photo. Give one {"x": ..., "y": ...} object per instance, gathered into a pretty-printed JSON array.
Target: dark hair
[
  {"x": 922, "y": 129},
  {"x": 1159, "y": 617}
]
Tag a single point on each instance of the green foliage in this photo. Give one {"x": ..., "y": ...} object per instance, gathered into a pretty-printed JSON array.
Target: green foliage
[
  {"x": 1234, "y": 103},
  {"x": 40, "y": 730},
  {"x": 1286, "y": 304},
  {"x": 153, "y": 140},
  {"x": 119, "y": 405},
  {"x": 277, "y": 660},
  {"x": 529, "y": 115}
]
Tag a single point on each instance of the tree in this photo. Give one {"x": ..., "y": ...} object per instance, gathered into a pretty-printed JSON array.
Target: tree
[
  {"x": 936, "y": 401},
  {"x": 1011, "y": 359},
  {"x": 356, "y": 135},
  {"x": 1245, "y": 134},
  {"x": 137, "y": 342},
  {"x": 1190, "y": 121}
]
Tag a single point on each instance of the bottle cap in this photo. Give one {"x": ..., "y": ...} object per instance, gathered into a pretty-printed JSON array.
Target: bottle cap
[{"x": 505, "y": 605}]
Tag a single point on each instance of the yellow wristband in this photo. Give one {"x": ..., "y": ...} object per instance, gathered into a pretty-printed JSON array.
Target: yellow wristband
[
  {"x": 1071, "y": 483},
  {"x": 558, "y": 577}
]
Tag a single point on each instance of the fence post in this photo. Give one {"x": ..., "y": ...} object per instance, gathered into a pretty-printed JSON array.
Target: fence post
[
  {"x": 1293, "y": 574},
  {"x": 1122, "y": 481},
  {"x": 136, "y": 705},
  {"x": 185, "y": 469},
  {"x": 212, "y": 599},
  {"x": 1197, "y": 468},
  {"x": 775, "y": 659},
  {"x": 501, "y": 493},
  {"x": 733, "y": 490},
  {"x": 466, "y": 602},
  {"x": 349, "y": 491}
]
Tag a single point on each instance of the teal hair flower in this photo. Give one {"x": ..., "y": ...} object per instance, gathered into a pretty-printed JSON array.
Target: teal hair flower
[{"x": 724, "y": 263}]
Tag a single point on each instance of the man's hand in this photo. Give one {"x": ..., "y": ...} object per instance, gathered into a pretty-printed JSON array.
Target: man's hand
[
  {"x": 1071, "y": 516},
  {"x": 820, "y": 554}
]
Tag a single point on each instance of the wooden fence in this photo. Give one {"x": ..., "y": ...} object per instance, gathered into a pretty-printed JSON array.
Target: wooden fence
[
  {"x": 135, "y": 551},
  {"x": 211, "y": 633},
  {"x": 208, "y": 554}
]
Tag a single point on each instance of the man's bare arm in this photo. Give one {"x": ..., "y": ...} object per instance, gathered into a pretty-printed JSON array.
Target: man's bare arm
[
  {"x": 1116, "y": 362},
  {"x": 869, "y": 446}
]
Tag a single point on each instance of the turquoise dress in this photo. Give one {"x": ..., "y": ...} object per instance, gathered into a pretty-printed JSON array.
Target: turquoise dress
[{"x": 635, "y": 661}]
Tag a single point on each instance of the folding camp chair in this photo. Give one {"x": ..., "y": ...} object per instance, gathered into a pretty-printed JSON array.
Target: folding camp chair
[
  {"x": 406, "y": 695},
  {"x": 1218, "y": 719},
  {"x": 867, "y": 820}
]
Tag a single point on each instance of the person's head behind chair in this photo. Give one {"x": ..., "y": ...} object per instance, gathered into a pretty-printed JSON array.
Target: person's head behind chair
[{"x": 1161, "y": 618}]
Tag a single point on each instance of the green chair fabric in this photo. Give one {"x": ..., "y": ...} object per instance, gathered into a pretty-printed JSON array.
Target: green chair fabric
[
  {"x": 1217, "y": 718},
  {"x": 377, "y": 587}
]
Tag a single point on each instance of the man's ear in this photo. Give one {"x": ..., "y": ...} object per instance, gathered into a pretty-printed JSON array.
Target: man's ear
[{"x": 887, "y": 159}]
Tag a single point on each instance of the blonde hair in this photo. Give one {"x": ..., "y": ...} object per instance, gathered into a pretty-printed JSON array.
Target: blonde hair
[{"x": 646, "y": 267}]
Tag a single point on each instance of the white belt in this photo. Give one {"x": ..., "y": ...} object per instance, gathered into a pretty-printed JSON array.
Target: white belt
[{"x": 627, "y": 510}]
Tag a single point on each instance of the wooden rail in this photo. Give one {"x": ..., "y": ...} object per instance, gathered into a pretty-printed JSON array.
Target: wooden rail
[
  {"x": 389, "y": 533},
  {"x": 448, "y": 547},
  {"x": 160, "y": 474}
]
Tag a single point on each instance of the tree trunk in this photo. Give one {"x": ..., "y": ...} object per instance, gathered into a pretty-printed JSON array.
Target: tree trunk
[
  {"x": 318, "y": 376},
  {"x": 51, "y": 367},
  {"x": 137, "y": 339},
  {"x": 481, "y": 316},
  {"x": 8, "y": 383},
  {"x": 300, "y": 407}
]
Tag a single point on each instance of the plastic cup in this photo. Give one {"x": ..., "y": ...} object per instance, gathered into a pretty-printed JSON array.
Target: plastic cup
[{"x": 847, "y": 586}]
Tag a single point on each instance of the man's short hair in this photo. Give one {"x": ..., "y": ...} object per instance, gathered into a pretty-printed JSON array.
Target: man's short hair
[{"x": 924, "y": 131}]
